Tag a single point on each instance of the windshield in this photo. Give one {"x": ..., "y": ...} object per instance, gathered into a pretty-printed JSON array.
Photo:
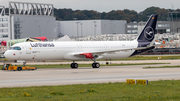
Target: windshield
[{"x": 15, "y": 48}]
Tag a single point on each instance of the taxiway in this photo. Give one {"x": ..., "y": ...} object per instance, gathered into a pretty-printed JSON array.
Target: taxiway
[{"x": 85, "y": 75}]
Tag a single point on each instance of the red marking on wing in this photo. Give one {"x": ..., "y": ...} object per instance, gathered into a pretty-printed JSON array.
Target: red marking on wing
[
  {"x": 14, "y": 54},
  {"x": 88, "y": 55}
]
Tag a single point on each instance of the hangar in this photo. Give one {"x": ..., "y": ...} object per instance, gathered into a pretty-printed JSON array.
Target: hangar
[
  {"x": 172, "y": 25},
  {"x": 27, "y": 20},
  {"x": 81, "y": 28}
]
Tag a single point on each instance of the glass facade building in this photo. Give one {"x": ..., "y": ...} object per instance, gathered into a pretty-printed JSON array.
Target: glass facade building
[
  {"x": 162, "y": 27},
  {"x": 4, "y": 27}
]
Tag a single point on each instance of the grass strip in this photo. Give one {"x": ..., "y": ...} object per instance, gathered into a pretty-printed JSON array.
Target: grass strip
[
  {"x": 141, "y": 57},
  {"x": 138, "y": 57},
  {"x": 163, "y": 90},
  {"x": 162, "y": 67},
  {"x": 89, "y": 65}
]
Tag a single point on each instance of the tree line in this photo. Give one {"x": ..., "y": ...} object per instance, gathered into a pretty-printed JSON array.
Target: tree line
[{"x": 126, "y": 14}]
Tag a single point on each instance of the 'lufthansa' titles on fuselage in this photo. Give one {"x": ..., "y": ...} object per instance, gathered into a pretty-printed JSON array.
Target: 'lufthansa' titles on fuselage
[{"x": 42, "y": 44}]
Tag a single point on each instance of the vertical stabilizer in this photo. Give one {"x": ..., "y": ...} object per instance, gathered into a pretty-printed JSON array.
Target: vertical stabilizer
[
  {"x": 148, "y": 33},
  {"x": 146, "y": 38}
]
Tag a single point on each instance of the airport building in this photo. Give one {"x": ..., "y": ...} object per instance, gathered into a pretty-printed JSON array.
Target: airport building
[
  {"x": 81, "y": 28},
  {"x": 172, "y": 25},
  {"x": 4, "y": 24},
  {"x": 27, "y": 20},
  {"x": 162, "y": 27}
]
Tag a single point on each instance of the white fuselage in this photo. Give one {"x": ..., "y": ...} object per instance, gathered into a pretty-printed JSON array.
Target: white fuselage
[{"x": 65, "y": 50}]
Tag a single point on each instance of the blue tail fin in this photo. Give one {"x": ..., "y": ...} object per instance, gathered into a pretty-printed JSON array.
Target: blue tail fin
[
  {"x": 147, "y": 36},
  {"x": 148, "y": 33}
]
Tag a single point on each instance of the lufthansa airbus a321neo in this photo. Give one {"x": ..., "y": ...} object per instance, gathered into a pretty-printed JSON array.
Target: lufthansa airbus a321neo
[{"x": 78, "y": 50}]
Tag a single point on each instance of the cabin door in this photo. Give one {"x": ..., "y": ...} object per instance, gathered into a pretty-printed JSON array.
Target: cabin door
[{"x": 28, "y": 49}]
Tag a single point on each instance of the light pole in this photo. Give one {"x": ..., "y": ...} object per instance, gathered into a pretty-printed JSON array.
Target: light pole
[
  {"x": 39, "y": 31},
  {"x": 38, "y": 27},
  {"x": 48, "y": 27},
  {"x": 172, "y": 19},
  {"x": 111, "y": 27},
  {"x": 81, "y": 30},
  {"x": 94, "y": 28},
  {"x": 77, "y": 30},
  {"x": 172, "y": 24}
]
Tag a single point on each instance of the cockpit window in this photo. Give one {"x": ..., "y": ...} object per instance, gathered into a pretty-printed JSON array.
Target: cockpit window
[
  {"x": 15, "y": 48},
  {"x": 11, "y": 48}
]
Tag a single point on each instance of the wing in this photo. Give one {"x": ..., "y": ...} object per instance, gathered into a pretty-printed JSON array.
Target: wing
[{"x": 100, "y": 54}]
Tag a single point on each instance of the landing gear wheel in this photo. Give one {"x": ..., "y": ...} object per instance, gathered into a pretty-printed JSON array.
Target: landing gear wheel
[
  {"x": 95, "y": 65},
  {"x": 74, "y": 65}
]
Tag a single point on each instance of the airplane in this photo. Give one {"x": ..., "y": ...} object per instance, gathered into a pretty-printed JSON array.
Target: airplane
[
  {"x": 86, "y": 50},
  {"x": 30, "y": 39}
]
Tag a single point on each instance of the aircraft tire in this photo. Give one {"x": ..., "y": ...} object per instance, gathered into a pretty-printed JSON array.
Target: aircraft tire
[
  {"x": 74, "y": 65},
  {"x": 95, "y": 65}
]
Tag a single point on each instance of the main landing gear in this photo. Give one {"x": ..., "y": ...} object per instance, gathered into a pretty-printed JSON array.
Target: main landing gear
[
  {"x": 74, "y": 65},
  {"x": 94, "y": 65}
]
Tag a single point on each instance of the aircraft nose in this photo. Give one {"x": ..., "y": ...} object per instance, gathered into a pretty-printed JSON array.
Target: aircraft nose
[{"x": 6, "y": 54}]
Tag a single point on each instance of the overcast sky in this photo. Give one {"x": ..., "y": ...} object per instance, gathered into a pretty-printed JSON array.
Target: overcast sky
[{"x": 104, "y": 5}]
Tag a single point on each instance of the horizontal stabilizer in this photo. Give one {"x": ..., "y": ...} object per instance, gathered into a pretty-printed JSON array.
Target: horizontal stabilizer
[{"x": 64, "y": 38}]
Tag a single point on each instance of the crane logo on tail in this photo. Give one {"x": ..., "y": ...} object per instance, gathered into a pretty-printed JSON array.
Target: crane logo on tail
[{"x": 149, "y": 33}]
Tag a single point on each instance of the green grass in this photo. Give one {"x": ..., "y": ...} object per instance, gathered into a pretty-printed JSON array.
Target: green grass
[
  {"x": 138, "y": 57},
  {"x": 89, "y": 65},
  {"x": 162, "y": 67},
  {"x": 141, "y": 57},
  {"x": 167, "y": 90}
]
